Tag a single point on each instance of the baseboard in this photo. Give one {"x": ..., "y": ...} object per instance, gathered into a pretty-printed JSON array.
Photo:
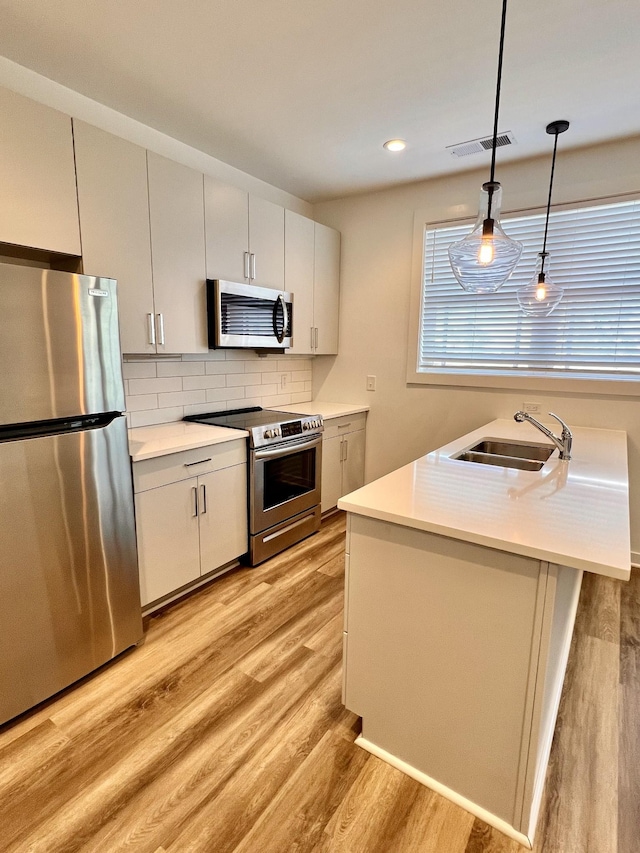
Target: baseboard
[{"x": 427, "y": 781}]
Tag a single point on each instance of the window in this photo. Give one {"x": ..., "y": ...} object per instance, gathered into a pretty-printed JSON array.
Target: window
[{"x": 594, "y": 254}]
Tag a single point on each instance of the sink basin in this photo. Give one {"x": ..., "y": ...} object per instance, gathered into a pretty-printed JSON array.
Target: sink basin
[
  {"x": 503, "y": 461},
  {"x": 507, "y": 454},
  {"x": 538, "y": 452}
]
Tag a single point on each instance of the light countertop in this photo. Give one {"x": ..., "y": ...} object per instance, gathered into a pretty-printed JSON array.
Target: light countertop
[
  {"x": 327, "y": 410},
  {"x": 572, "y": 513},
  {"x": 147, "y": 442}
]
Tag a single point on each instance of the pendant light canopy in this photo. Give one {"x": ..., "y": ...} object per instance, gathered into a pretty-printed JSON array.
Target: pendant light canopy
[
  {"x": 485, "y": 259},
  {"x": 541, "y": 295}
]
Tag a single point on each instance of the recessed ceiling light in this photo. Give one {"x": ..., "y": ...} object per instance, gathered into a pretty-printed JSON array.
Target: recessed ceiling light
[{"x": 395, "y": 145}]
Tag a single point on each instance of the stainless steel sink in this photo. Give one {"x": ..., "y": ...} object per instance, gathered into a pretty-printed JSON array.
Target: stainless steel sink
[
  {"x": 507, "y": 454},
  {"x": 538, "y": 452}
]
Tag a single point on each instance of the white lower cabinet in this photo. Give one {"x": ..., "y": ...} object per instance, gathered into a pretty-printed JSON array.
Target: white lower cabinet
[
  {"x": 455, "y": 656},
  {"x": 343, "y": 449},
  {"x": 191, "y": 516}
]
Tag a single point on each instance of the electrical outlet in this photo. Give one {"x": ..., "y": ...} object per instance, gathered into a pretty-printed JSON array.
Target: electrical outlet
[
  {"x": 283, "y": 380},
  {"x": 371, "y": 383},
  {"x": 532, "y": 408}
]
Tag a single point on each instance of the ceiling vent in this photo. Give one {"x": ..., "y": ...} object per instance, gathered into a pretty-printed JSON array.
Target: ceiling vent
[{"x": 475, "y": 146}]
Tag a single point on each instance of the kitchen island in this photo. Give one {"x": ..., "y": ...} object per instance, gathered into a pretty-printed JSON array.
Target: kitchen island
[{"x": 462, "y": 585}]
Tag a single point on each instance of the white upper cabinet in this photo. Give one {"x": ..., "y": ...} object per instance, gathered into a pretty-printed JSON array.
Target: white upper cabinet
[
  {"x": 298, "y": 277},
  {"x": 312, "y": 274},
  {"x": 326, "y": 290},
  {"x": 38, "y": 203},
  {"x": 226, "y": 213},
  {"x": 245, "y": 236},
  {"x": 176, "y": 208},
  {"x": 266, "y": 243},
  {"x": 113, "y": 199}
]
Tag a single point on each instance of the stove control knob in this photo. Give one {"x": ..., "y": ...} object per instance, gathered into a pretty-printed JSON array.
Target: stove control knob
[
  {"x": 277, "y": 431},
  {"x": 268, "y": 433}
]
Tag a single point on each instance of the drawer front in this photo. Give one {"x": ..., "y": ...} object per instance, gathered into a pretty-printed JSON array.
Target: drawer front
[
  {"x": 344, "y": 424},
  {"x": 161, "y": 470}
]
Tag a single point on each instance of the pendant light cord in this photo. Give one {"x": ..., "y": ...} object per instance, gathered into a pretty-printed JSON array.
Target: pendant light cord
[
  {"x": 495, "y": 118},
  {"x": 543, "y": 254}
]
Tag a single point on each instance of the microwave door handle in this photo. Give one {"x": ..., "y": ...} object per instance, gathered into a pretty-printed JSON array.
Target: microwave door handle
[{"x": 285, "y": 318}]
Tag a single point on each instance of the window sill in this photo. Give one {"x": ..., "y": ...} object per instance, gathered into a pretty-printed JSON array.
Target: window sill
[{"x": 603, "y": 385}]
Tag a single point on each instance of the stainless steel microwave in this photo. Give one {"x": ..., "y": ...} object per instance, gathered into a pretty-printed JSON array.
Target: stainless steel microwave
[{"x": 245, "y": 316}]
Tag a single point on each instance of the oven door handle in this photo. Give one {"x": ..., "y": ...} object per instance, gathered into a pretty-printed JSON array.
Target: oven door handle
[{"x": 286, "y": 449}]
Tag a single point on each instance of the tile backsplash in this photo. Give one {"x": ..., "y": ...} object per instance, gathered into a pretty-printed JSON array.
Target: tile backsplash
[{"x": 162, "y": 390}]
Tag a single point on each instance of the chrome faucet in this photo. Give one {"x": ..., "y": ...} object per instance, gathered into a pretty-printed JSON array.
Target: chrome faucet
[{"x": 563, "y": 443}]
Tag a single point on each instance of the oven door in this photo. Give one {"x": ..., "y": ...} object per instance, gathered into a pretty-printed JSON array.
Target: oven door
[{"x": 285, "y": 480}]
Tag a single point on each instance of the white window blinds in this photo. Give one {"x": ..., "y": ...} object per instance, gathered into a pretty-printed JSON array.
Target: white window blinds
[{"x": 594, "y": 254}]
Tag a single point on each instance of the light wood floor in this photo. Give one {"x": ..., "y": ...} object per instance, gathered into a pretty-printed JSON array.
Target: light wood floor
[{"x": 225, "y": 732}]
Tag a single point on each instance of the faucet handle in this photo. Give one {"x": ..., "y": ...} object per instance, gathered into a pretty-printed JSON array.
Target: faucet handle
[{"x": 565, "y": 428}]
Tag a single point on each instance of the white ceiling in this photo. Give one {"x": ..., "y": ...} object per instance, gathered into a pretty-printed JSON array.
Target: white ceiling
[{"x": 303, "y": 94}]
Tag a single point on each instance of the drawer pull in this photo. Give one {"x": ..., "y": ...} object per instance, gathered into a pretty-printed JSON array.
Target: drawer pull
[
  {"x": 344, "y": 426},
  {"x": 199, "y": 462}
]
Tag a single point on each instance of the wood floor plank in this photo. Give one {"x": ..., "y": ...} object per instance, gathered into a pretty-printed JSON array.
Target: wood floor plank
[
  {"x": 334, "y": 567},
  {"x": 296, "y": 816},
  {"x": 265, "y": 658},
  {"x": 628, "y": 775},
  {"x": 28, "y": 755},
  {"x": 327, "y": 640},
  {"x": 582, "y": 781},
  {"x": 93, "y": 781},
  {"x": 375, "y": 816},
  {"x": 225, "y": 731},
  {"x": 229, "y": 817},
  {"x": 602, "y": 621},
  {"x": 486, "y": 839}
]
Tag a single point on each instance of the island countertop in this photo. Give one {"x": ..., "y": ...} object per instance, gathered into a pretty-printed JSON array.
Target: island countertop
[{"x": 573, "y": 513}]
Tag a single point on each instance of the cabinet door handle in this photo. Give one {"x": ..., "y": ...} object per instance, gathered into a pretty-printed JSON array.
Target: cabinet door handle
[
  {"x": 204, "y": 499},
  {"x": 246, "y": 265},
  {"x": 311, "y": 329},
  {"x": 151, "y": 330},
  {"x": 194, "y": 489},
  {"x": 346, "y": 448},
  {"x": 316, "y": 337},
  {"x": 253, "y": 267},
  {"x": 160, "y": 324}
]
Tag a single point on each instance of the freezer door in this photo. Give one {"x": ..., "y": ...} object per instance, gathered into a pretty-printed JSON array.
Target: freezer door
[
  {"x": 59, "y": 345},
  {"x": 69, "y": 592}
]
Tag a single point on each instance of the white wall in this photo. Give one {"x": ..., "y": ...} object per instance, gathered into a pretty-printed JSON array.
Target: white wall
[{"x": 407, "y": 421}]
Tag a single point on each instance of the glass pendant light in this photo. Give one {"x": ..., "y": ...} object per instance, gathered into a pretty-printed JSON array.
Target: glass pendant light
[
  {"x": 485, "y": 259},
  {"x": 541, "y": 295}
]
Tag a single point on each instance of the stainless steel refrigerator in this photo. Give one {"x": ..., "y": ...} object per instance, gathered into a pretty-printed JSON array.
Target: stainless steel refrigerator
[{"x": 69, "y": 591}]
